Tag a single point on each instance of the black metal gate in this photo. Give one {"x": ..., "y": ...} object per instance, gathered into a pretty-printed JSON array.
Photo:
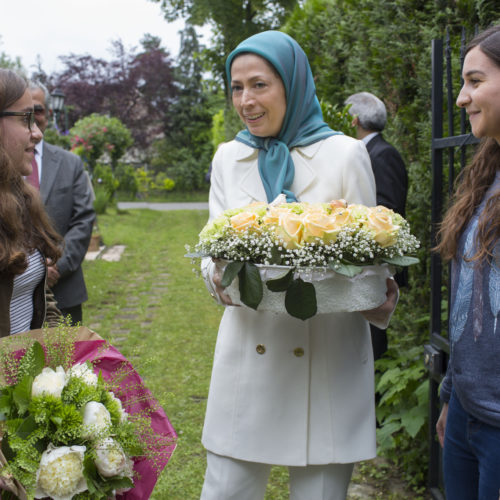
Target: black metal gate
[{"x": 443, "y": 176}]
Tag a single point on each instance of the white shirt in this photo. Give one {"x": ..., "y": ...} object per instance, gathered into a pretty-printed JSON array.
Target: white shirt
[
  {"x": 39, "y": 159},
  {"x": 369, "y": 137}
]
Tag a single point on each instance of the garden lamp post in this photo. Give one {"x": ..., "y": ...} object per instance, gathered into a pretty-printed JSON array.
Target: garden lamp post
[{"x": 57, "y": 98}]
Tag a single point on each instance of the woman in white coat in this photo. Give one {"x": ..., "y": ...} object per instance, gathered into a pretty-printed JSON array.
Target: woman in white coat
[{"x": 285, "y": 391}]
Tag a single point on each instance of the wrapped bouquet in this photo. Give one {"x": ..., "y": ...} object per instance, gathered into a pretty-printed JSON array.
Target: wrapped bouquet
[
  {"x": 335, "y": 252},
  {"x": 76, "y": 420}
]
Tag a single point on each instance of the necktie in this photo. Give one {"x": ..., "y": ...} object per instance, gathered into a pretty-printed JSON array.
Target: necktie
[{"x": 33, "y": 178}]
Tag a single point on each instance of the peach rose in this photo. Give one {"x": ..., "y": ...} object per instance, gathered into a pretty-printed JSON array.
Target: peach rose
[
  {"x": 273, "y": 215},
  {"x": 320, "y": 225},
  {"x": 290, "y": 229},
  {"x": 338, "y": 204},
  {"x": 244, "y": 221},
  {"x": 379, "y": 221},
  {"x": 341, "y": 217}
]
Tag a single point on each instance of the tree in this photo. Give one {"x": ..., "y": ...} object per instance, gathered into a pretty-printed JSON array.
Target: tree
[
  {"x": 186, "y": 150},
  {"x": 233, "y": 20},
  {"x": 8, "y": 63},
  {"x": 137, "y": 88}
]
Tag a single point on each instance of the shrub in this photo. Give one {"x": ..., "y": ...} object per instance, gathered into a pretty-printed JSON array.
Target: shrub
[{"x": 97, "y": 135}]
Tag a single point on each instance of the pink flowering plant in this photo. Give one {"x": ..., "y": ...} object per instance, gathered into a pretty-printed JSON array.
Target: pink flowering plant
[
  {"x": 66, "y": 434},
  {"x": 97, "y": 135},
  {"x": 303, "y": 236}
]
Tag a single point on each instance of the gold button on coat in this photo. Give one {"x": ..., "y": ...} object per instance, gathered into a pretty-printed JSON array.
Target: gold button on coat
[
  {"x": 298, "y": 351},
  {"x": 261, "y": 348}
]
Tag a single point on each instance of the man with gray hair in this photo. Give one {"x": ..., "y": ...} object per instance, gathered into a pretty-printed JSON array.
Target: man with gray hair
[
  {"x": 369, "y": 118},
  {"x": 68, "y": 198},
  {"x": 391, "y": 180}
]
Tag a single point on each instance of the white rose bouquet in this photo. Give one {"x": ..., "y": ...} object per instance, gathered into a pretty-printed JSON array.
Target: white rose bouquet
[
  {"x": 65, "y": 433},
  {"x": 288, "y": 243}
]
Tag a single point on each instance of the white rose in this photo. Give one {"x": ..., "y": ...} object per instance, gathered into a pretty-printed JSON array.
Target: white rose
[
  {"x": 60, "y": 473},
  {"x": 49, "y": 382},
  {"x": 96, "y": 419},
  {"x": 83, "y": 371},
  {"x": 111, "y": 459}
]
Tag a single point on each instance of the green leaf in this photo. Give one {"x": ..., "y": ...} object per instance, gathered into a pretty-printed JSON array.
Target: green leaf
[
  {"x": 232, "y": 269},
  {"x": 118, "y": 483},
  {"x": 39, "y": 359},
  {"x": 349, "y": 270},
  {"x": 282, "y": 283},
  {"x": 401, "y": 261},
  {"x": 22, "y": 394},
  {"x": 6, "y": 402},
  {"x": 251, "y": 289},
  {"x": 7, "y": 450},
  {"x": 414, "y": 420},
  {"x": 27, "y": 427},
  {"x": 275, "y": 256},
  {"x": 300, "y": 299},
  {"x": 57, "y": 421}
]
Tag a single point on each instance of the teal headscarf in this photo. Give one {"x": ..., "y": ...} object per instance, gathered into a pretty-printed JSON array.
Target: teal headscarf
[{"x": 303, "y": 123}]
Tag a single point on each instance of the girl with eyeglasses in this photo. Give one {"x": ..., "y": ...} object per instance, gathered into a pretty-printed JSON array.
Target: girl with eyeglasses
[
  {"x": 469, "y": 425},
  {"x": 27, "y": 238}
]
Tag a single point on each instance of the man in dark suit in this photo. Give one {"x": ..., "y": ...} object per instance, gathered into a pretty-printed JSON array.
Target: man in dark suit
[
  {"x": 391, "y": 180},
  {"x": 68, "y": 198}
]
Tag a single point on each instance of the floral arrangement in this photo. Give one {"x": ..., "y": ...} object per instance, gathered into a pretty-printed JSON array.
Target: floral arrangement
[
  {"x": 303, "y": 236},
  {"x": 66, "y": 432}
]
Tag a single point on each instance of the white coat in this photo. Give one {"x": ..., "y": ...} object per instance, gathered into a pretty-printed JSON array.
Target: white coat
[{"x": 286, "y": 391}]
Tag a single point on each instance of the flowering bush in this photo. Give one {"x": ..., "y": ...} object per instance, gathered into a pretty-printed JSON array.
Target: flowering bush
[
  {"x": 344, "y": 238},
  {"x": 65, "y": 433},
  {"x": 95, "y": 135}
]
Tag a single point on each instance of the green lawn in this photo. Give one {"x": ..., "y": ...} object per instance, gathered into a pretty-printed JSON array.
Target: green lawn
[{"x": 156, "y": 310}]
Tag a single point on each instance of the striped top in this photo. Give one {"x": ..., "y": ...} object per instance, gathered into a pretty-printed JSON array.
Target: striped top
[{"x": 21, "y": 304}]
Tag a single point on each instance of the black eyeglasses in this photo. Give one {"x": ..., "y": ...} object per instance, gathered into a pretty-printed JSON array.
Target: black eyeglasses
[{"x": 29, "y": 117}]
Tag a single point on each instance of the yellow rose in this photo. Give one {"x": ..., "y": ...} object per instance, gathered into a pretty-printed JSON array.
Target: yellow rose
[
  {"x": 341, "y": 217},
  {"x": 290, "y": 229},
  {"x": 320, "y": 225},
  {"x": 272, "y": 216},
  {"x": 379, "y": 221},
  {"x": 244, "y": 221}
]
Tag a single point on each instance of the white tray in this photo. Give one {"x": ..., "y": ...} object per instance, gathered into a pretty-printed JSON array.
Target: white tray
[{"x": 334, "y": 292}]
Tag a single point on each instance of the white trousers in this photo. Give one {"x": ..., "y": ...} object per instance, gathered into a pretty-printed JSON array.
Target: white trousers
[{"x": 230, "y": 479}]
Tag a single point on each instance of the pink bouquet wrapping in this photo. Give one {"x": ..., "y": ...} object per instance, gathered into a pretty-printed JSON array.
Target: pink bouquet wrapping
[{"x": 129, "y": 394}]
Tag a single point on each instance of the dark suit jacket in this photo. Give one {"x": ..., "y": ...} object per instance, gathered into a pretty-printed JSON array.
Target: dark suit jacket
[
  {"x": 390, "y": 174},
  {"x": 66, "y": 192}
]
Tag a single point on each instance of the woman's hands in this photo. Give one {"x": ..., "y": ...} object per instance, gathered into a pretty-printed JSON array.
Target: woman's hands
[
  {"x": 219, "y": 289},
  {"x": 441, "y": 424},
  {"x": 381, "y": 314}
]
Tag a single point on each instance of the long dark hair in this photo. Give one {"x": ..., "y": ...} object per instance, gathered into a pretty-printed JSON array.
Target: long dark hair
[
  {"x": 475, "y": 180},
  {"x": 24, "y": 224}
]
